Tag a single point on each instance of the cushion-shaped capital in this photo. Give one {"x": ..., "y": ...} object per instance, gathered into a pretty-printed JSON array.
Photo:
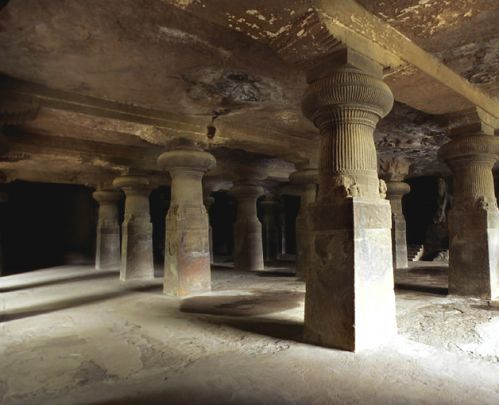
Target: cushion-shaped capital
[
  {"x": 132, "y": 182},
  {"x": 304, "y": 176},
  {"x": 109, "y": 196},
  {"x": 190, "y": 159}
]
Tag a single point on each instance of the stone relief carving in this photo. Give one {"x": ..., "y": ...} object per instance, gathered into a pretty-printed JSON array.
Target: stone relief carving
[
  {"x": 382, "y": 188},
  {"x": 443, "y": 200},
  {"x": 345, "y": 186}
]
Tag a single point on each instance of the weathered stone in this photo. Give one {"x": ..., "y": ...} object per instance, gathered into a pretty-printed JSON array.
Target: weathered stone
[
  {"x": 107, "y": 253},
  {"x": 349, "y": 302},
  {"x": 248, "y": 247},
  {"x": 307, "y": 178},
  {"x": 136, "y": 244},
  {"x": 208, "y": 201},
  {"x": 210, "y": 185},
  {"x": 394, "y": 193},
  {"x": 187, "y": 251},
  {"x": 474, "y": 217},
  {"x": 270, "y": 206}
]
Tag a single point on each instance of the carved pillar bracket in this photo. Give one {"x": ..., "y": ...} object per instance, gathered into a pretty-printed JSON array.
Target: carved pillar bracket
[
  {"x": 270, "y": 206},
  {"x": 136, "y": 244},
  {"x": 474, "y": 217},
  {"x": 248, "y": 247},
  {"x": 107, "y": 254},
  {"x": 350, "y": 302},
  {"x": 187, "y": 252},
  {"x": 306, "y": 178}
]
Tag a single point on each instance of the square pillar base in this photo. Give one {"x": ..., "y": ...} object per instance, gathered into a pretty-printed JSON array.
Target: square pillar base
[
  {"x": 108, "y": 253},
  {"x": 350, "y": 300},
  {"x": 474, "y": 252},
  {"x": 136, "y": 252},
  {"x": 187, "y": 252},
  {"x": 399, "y": 243}
]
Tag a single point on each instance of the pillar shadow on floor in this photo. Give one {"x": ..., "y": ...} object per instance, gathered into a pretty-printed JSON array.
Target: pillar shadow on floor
[
  {"x": 61, "y": 304},
  {"x": 246, "y": 312},
  {"x": 92, "y": 275}
]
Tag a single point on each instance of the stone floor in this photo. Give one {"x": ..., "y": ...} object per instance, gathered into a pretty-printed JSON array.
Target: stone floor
[{"x": 74, "y": 335}]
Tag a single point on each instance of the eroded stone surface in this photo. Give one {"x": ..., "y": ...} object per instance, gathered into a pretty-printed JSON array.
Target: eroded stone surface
[
  {"x": 349, "y": 302},
  {"x": 108, "y": 252},
  {"x": 248, "y": 245},
  {"x": 187, "y": 251},
  {"x": 136, "y": 243}
]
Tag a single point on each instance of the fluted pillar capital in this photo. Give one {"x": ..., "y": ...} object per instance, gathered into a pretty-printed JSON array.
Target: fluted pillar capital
[
  {"x": 345, "y": 103},
  {"x": 346, "y": 93},
  {"x": 471, "y": 158},
  {"x": 475, "y": 148}
]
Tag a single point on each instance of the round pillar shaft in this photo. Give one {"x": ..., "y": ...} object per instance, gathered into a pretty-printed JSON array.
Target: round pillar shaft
[
  {"x": 208, "y": 202},
  {"x": 136, "y": 244},
  {"x": 394, "y": 193},
  {"x": 474, "y": 217},
  {"x": 107, "y": 252},
  {"x": 270, "y": 227},
  {"x": 248, "y": 246},
  {"x": 3, "y": 199},
  {"x": 307, "y": 179},
  {"x": 350, "y": 301},
  {"x": 187, "y": 254}
]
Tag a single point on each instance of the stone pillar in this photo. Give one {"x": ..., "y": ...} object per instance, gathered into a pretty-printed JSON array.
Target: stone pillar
[
  {"x": 350, "y": 300},
  {"x": 107, "y": 252},
  {"x": 474, "y": 217},
  {"x": 270, "y": 207},
  {"x": 282, "y": 229},
  {"x": 208, "y": 201},
  {"x": 210, "y": 185},
  {"x": 395, "y": 190},
  {"x": 306, "y": 178},
  {"x": 187, "y": 254},
  {"x": 3, "y": 199},
  {"x": 136, "y": 243},
  {"x": 248, "y": 247}
]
